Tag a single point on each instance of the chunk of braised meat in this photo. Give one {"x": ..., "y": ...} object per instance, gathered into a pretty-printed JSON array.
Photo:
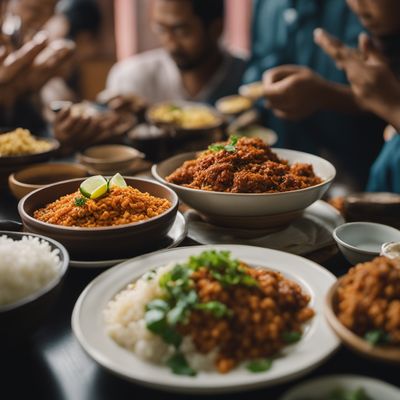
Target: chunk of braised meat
[
  {"x": 184, "y": 174},
  {"x": 217, "y": 177},
  {"x": 249, "y": 182}
]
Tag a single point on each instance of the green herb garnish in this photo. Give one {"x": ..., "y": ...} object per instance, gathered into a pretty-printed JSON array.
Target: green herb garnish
[
  {"x": 174, "y": 107},
  {"x": 230, "y": 147},
  {"x": 163, "y": 316},
  {"x": 259, "y": 365},
  {"x": 342, "y": 394},
  {"x": 80, "y": 201},
  {"x": 156, "y": 321},
  {"x": 180, "y": 366},
  {"x": 222, "y": 267},
  {"x": 216, "y": 308},
  {"x": 291, "y": 337},
  {"x": 376, "y": 337}
]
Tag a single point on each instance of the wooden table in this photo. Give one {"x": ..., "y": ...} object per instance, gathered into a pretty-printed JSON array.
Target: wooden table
[{"x": 53, "y": 366}]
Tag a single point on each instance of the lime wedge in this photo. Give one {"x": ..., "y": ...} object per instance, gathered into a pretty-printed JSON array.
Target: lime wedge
[
  {"x": 94, "y": 187},
  {"x": 117, "y": 180}
]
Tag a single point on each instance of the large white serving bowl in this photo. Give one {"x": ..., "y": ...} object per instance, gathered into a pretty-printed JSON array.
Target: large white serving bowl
[{"x": 258, "y": 210}]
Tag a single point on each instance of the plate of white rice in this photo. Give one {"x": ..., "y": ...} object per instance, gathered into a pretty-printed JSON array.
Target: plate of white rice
[
  {"x": 108, "y": 321},
  {"x": 30, "y": 265}
]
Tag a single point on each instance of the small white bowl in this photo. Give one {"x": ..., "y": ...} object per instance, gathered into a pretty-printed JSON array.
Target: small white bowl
[{"x": 362, "y": 241}]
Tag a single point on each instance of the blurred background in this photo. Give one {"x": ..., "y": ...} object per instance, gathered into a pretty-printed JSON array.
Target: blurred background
[{"x": 125, "y": 30}]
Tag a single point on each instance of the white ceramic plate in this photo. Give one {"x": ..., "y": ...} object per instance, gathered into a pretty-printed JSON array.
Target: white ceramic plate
[
  {"x": 317, "y": 344},
  {"x": 311, "y": 232},
  {"x": 320, "y": 387},
  {"x": 174, "y": 237}
]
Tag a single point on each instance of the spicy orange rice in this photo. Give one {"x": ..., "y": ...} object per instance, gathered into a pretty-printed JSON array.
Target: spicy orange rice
[{"x": 119, "y": 206}]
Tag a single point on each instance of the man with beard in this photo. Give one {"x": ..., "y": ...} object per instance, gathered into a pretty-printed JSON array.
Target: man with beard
[{"x": 191, "y": 65}]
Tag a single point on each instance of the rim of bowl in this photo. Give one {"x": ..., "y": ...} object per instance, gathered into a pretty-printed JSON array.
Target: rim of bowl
[
  {"x": 55, "y": 146},
  {"x": 350, "y": 338},
  {"x": 289, "y": 192},
  {"x": 14, "y": 176},
  {"x": 50, "y": 285},
  {"x": 355, "y": 248},
  {"x": 131, "y": 154},
  {"x": 21, "y": 210}
]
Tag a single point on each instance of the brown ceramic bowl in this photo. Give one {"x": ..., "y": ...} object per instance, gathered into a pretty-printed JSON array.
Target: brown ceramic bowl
[
  {"x": 36, "y": 176},
  {"x": 21, "y": 319},
  {"x": 8, "y": 165},
  {"x": 109, "y": 159},
  {"x": 104, "y": 242},
  {"x": 350, "y": 339}
]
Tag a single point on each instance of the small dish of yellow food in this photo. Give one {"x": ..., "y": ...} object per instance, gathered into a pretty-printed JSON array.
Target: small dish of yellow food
[{"x": 21, "y": 142}]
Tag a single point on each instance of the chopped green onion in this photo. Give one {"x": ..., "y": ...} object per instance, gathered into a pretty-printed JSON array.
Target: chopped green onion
[{"x": 259, "y": 365}]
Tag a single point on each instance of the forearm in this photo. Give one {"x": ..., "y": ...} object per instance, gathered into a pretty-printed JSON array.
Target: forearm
[{"x": 338, "y": 97}]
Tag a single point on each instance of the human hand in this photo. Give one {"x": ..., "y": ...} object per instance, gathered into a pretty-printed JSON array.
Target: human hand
[
  {"x": 76, "y": 128},
  {"x": 15, "y": 65},
  {"x": 47, "y": 65},
  {"x": 122, "y": 102},
  {"x": 374, "y": 84},
  {"x": 293, "y": 92}
]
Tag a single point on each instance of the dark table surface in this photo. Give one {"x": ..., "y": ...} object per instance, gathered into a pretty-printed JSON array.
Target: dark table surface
[{"x": 52, "y": 365}]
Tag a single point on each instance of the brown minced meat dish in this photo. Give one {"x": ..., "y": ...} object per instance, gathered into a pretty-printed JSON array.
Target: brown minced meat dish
[
  {"x": 252, "y": 168},
  {"x": 261, "y": 315},
  {"x": 368, "y": 298}
]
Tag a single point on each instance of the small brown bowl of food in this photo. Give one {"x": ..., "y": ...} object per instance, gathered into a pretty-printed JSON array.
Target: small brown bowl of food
[
  {"x": 253, "y": 91},
  {"x": 363, "y": 308},
  {"x": 184, "y": 117},
  {"x": 19, "y": 148},
  {"x": 97, "y": 219},
  {"x": 36, "y": 176},
  {"x": 32, "y": 270},
  {"x": 233, "y": 105},
  {"x": 108, "y": 159}
]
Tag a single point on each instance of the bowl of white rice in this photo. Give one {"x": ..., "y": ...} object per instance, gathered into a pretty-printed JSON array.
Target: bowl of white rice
[{"x": 32, "y": 268}]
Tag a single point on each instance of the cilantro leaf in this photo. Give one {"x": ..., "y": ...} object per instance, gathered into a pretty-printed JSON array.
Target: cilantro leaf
[{"x": 180, "y": 366}]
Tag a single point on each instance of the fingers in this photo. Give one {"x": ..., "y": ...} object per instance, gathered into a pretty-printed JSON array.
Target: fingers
[
  {"x": 364, "y": 45},
  {"x": 19, "y": 60},
  {"x": 369, "y": 51},
  {"x": 277, "y": 93},
  {"x": 277, "y": 74},
  {"x": 332, "y": 46}
]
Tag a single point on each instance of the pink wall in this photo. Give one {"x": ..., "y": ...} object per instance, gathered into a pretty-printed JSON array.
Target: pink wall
[
  {"x": 237, "y": 25},
  {"x": 133, "y": 33}
]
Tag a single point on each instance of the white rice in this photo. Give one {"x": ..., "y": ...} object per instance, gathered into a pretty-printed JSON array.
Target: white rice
[
  {"x": 125, "y": 324},
  {"x": 26, "y": 266}
]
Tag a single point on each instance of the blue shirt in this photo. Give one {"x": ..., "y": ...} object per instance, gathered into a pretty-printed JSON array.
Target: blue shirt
[
  {"x": 282, "y": 33},
  {"x": 385, "y": 173}
]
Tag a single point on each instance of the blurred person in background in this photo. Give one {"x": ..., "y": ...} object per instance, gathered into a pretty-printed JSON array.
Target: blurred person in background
[
  {"x": 373, "y": 71},
  {"x": 27, "y": 60},
  {"x": 79, "y": 21},
  {"x": 309, "y": 102},
  {"x": 191, "y": 65}
]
